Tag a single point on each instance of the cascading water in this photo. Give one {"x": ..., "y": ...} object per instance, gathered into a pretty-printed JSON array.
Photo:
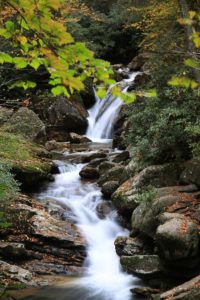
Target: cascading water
[
  {"x": 103, "y": 114},
  {"x": 103, "y": 278}
]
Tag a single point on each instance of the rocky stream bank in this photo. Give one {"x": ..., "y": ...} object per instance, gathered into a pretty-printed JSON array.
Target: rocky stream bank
[{"x": 158, "y": 204}]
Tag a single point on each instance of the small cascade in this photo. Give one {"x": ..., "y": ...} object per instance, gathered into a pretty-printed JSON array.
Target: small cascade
[
  {"x": 103, "y": 114},
  {"x": 103, "y": 278}
]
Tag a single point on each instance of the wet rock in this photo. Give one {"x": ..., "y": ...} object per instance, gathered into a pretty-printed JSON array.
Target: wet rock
[
  {"x": 15, "y": 273},
  {"x": 68, "y": 115},
  {"x": 120, "y": 129},
  {"x": 125, "y": 198},
  {"x": 25, "y": 123},
  {"x": 144, "y": 218},
  {"x": 103, "y": 209},
  {"x": 121, "y": 157},
  {"x": 78, "y": 139},
  {"x": 177, "y": 238},
  {"x": 89, "y": 173},
  {"x": 97, "y": 161},
  {"x": 87, "y": 158},
  {"x": 189, "y": 290},
  {"x": 108, "y": 188},
  {"x": 145, "y": 291},
  {"x": 30, "y": 176},
  {"x": 128, "y": 246},
  {"x": 105, "y": 166},
  {"x": 191, "y": 172},
  {"x": 145, "y": 266},
  {"x": 113, "y": 174},
  {"x": 61, "y": 232}
]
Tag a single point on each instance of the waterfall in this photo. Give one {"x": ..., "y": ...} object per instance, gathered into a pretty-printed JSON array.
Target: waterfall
[
  {"x": 103, "y": 278},
  {"x": 103, "y": 114}
]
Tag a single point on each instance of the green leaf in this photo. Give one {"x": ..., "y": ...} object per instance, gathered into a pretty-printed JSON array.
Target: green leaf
[
  {"x": 183, "y": 82},
  {"x": 59, "y": 89},
  {"x": 20, "y": 62},
  {"x": 10, "y": 26},
  {"x": 24, "y": 84},
  {"x": 35, "y": 64},
  {"x": 193, "y": 63},
  {"x": 5, "y": 58}
]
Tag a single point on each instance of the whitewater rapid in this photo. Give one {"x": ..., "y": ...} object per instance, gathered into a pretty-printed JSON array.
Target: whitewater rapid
[{"x": 103, "y": 278}]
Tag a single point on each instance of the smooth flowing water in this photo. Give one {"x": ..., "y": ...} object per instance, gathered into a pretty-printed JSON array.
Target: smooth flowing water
[
  {"x": 103, "y": 278},
  {"x": 103, "y": 114}
]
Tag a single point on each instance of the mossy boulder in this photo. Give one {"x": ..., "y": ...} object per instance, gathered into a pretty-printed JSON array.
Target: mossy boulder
[
  {"x": 26, "y": 123},
  {"x": 25, "y": 159},
  {"x": 177, "y": 238},
  {"x": 125, "y": 198}
]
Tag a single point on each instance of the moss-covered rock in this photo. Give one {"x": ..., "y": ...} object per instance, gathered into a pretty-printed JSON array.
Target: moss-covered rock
[
  {"x": 26, "y": 123},
  {"x": 125, "y": 198},
  {"x": 24, "y": 158}
]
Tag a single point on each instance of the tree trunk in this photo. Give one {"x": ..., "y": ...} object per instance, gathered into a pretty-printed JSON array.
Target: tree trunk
[{"x": 189, "y": 31}]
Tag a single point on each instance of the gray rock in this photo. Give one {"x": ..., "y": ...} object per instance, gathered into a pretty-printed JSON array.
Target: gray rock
[
  {"x": 78, "y": 139},
  {"x": 191, "y": 172},
  {"x": 68, "y": 115},
  {"x": 113, "y": 174},
  {"x": 103, "y": 209},
  {"x": 108, "y": 188},
  {"x": 25, "y": 123},
  {"x": 128, "y": 246},
  {"x": 144, "y": 218},
  {"x": 91, "y": 156},
  {"x": 105, "y": 166},
  {"x": 89, "y": 173},
  {"x": 177, "y": 238},
  {"x": 15, "y": 273},
  {"x": 125, "y": 198},
  {"x": 144, "y": 266},
  {"x": 121, "y": 157}
]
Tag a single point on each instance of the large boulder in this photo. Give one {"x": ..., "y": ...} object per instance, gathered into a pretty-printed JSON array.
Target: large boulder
[
  {"x": 138, "y": 61},
  {"x": 113, "y": 174},
  {"x": 128, "y": 246},
  {"x": 78, "y": 139},
  {"x": 144, "y": 218},
  {"x": 25, "y": 123},
  {"x": 191, "y": 172},
  {"x": 68, "y": 115},
  {"x": 145, "y": 266},
  {"x": 125, "y": 198},
  {"x": 177, "y": 238},
  {"x": 89, "y": 173},
  {"x": 109, "y": 187}
]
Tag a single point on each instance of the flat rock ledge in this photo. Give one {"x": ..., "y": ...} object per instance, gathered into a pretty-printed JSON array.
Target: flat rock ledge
[{"x": 39, "y": 244}]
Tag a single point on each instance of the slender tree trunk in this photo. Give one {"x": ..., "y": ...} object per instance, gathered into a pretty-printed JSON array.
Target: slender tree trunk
[{"x": 189, "y": 31}]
